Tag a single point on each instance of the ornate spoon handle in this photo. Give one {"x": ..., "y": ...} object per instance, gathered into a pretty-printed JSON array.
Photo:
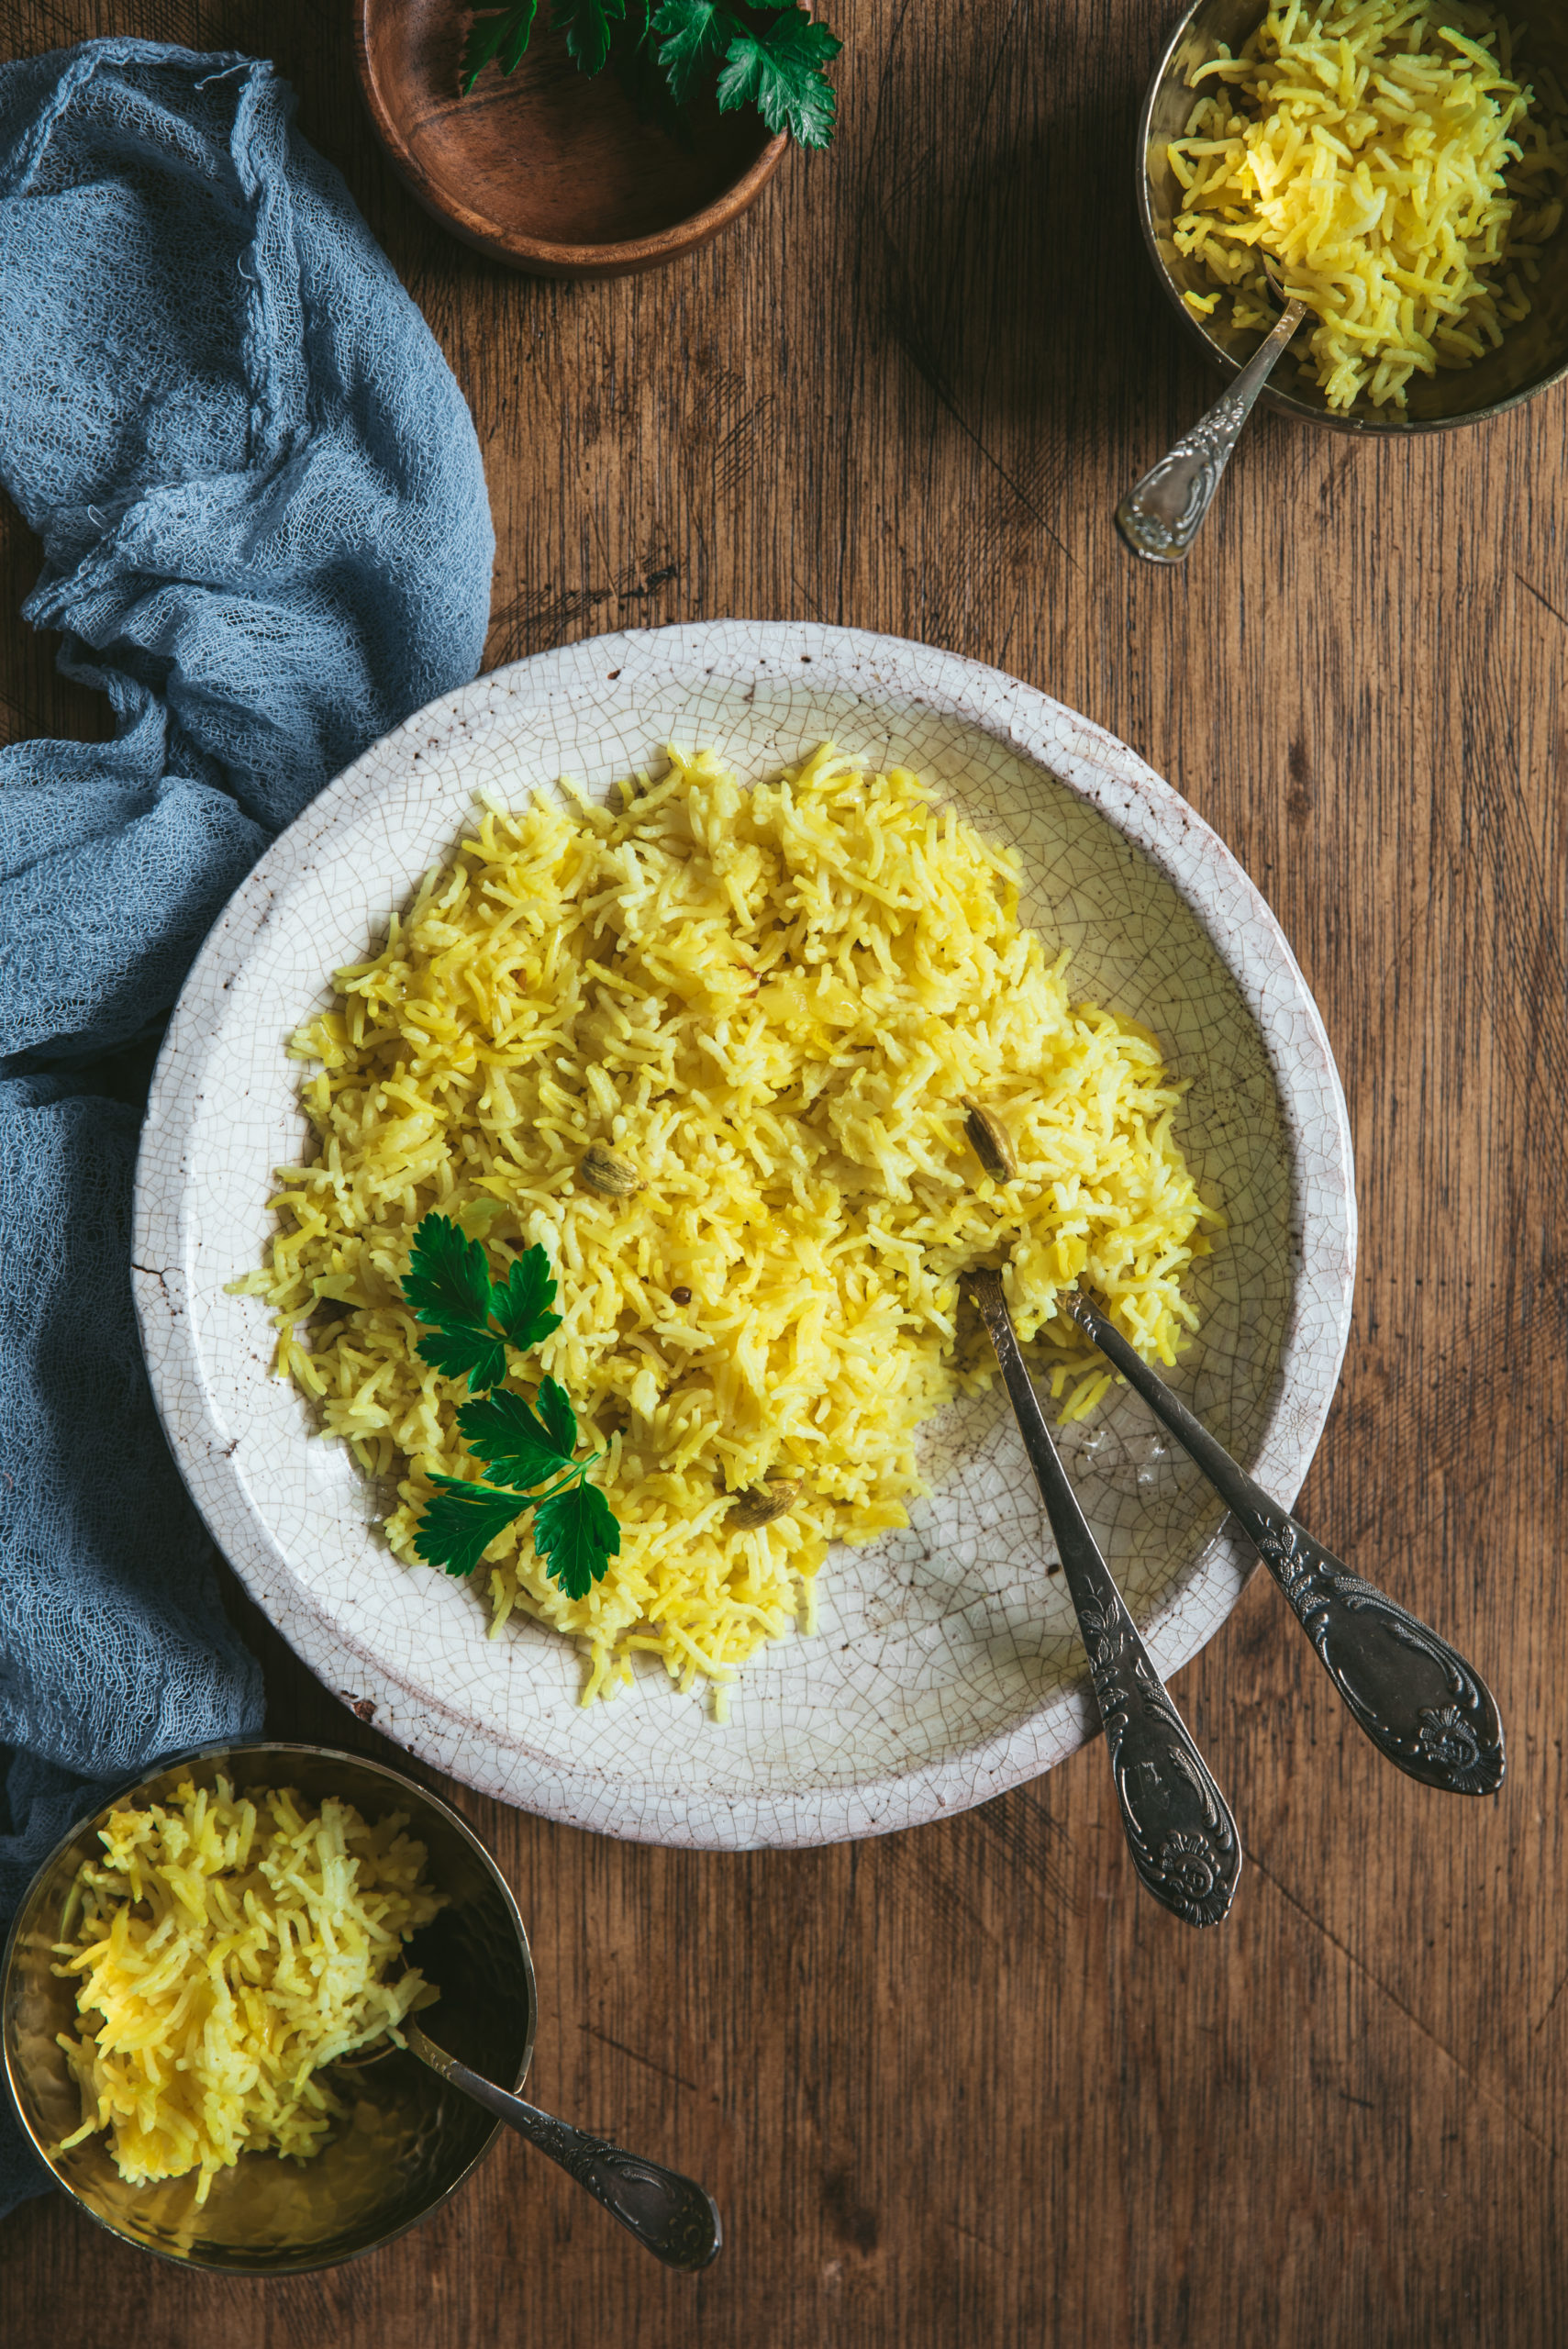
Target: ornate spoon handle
[
  {"x": 1417, "y": 1699},
  {"x": 1161, "y": 516},
  {"x": 1178, "y": 1827},
  {"x": 671, "y": 2216}
]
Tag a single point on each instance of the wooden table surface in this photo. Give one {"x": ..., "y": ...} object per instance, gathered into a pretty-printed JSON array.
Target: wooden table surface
[{"x": 967, "y": 2085}]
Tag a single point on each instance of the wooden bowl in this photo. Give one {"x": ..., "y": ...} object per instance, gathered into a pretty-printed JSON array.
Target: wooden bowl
[{"x": 546, "y": 168}]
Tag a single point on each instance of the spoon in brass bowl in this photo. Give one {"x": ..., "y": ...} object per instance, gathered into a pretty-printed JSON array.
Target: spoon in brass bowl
[
  {"x": 1178, "y": 1825},
  {"x": 671, "y": 2216},
  {"x": 1162, "y": 514},
  {"x": 1421, "y": 1703}
]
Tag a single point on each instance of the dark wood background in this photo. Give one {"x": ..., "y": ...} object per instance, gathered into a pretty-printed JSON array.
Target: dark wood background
[{"x": 967, "y": 2085}]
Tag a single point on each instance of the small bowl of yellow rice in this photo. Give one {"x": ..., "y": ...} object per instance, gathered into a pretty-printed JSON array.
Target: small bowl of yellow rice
[
  {"x": 191, "y": 1967},
  {"x": 1402, "y": 164}
]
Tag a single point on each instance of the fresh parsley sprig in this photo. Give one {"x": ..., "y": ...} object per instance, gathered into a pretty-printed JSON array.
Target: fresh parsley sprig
[
  {"x": 530, "y": 1452},
  {"x": 766, "y": 53},
  {"x": 449, "y": 1286}
]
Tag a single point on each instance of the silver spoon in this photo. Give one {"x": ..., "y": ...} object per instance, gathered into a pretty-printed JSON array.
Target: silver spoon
[
  {"x": 1178, "y": 1826},
  {"x": 1417, "y": 1699},
  {"x": 671, "y": 2216},
  {"x": 1162, "y": 514}
]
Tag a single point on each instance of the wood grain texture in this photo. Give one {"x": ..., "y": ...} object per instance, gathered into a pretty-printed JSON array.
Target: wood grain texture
[{"x": 968, "y": 2086}]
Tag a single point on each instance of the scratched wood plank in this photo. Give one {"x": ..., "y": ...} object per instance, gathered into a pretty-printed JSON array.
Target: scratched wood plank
[{"x": 966, "y": 2086}]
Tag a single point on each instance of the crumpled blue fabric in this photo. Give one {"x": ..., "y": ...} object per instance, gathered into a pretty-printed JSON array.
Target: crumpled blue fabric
[{"x": 266, "y": 539}]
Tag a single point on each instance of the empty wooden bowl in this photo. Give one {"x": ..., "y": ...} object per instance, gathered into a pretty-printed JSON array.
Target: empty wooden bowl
[{"x": 546, "y": 168}]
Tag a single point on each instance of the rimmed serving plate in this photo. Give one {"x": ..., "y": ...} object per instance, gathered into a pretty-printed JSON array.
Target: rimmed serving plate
[{"x": 945, "y": 1666}]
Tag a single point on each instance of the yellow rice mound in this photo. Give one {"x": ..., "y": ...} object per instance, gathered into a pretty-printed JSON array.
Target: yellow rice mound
[
  {"x": 1383, "y": 152},
  {"x": 770, "y": 1004},
  {"x": 228, "y": 1949}
]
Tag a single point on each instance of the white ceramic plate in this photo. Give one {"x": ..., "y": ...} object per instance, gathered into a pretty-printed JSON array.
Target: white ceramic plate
[{"x": 946, "y": 1665}]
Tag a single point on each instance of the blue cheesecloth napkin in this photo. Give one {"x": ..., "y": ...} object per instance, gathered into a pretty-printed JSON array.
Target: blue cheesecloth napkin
[{"x": 267, "y": 541}]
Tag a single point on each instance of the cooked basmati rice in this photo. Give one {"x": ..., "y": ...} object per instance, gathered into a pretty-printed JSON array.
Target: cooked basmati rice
[
  {"x": 230, "y": 1948},
  {"x": 771, "y": 1004},
  {"x": 1383, "y": 153}
]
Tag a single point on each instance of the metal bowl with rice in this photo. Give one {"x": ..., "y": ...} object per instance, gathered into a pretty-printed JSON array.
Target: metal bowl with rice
[
  {"x": 1533, "y": 355},
  {"x": 409, "y": 2141}
]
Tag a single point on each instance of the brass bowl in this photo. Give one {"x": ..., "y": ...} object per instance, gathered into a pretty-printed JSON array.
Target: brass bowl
[
  {"x": 410, "y": 2140},
  {"x": 1532, "y": 356}
]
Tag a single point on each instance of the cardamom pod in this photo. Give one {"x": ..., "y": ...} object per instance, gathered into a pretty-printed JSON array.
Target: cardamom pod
[
  {"x": 600, "y": 1170},
  {"x": 990, "y": 1141},
  {"x": 761, "y": 1503}
]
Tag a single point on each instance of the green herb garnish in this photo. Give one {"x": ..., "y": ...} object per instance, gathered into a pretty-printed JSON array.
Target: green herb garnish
[
  {"x": 765, "y": 53},
  {"x": 519, "y": 1446},
  {"x": 503, "y": 36},
  {"x": 449, "y": 1286},
  {"x": 461, "y": 1521},
  {"x": 778, "y": 69},
  {"x": 530, "y": 1451},
  {"x": 577, "y": 1531}
]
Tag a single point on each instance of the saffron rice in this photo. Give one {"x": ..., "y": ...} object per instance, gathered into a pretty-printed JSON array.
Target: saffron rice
[{"x": 772, "y": 1005}]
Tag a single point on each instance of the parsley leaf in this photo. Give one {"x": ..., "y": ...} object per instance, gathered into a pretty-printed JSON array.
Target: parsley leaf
[
  {"x": 779, "y": 72},
  {"x": 587, "y": 25},
  {"x": 691, "y": 34},
  {"x": 557, "y": 1414},
  {"x": 521, "y": 1302},
  {"x": 448, "y": 1284},
  {"x": 576, "y": 1534},
  {"x": 461, "y": 1521},
  {"x": 502, "y": 34},
  {"x": 517, "y": 1447}
]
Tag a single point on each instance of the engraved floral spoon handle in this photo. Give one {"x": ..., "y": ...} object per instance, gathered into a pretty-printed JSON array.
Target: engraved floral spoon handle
[
  {"x": 1162, "y": 514},
  {"x": 1417, "y": 1699},
  {"x": 671, "y": 2216},
  {"x": 1178, "y": 1826}
]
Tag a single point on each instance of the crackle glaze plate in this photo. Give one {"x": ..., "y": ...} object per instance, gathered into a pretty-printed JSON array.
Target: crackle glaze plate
[{"x": 945, "y": 1666}]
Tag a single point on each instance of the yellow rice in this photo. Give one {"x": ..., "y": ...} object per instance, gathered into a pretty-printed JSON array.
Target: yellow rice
[
  {"x": 1385, "y": 155},
  {"x": 771, "y": 1004},
  {"x": 228, "y": 1948}
]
